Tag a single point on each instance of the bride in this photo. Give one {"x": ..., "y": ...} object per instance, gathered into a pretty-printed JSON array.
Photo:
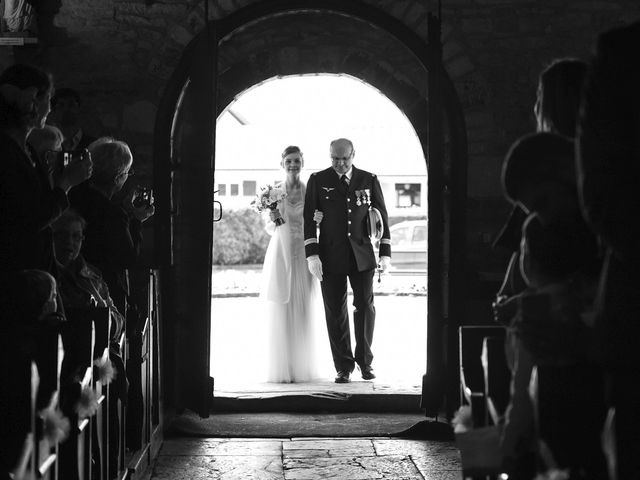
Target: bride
[{"x": 290, "y": 292}]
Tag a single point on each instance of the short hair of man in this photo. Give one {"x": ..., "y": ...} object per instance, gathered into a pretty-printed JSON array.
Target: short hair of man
[
  {"x": 42, "y": 139},
  {"x": 110, "y": 158},
  {"x": 291, "y": 149},
  {"x": 537, "y": 158},
  {"x": 62, "y": 93},
  {"x": 68, "y": 217},
  {"x": 342, "y": 140},
  {"x": 21, "y": 76},
  {"x": 560, "y": 85}
]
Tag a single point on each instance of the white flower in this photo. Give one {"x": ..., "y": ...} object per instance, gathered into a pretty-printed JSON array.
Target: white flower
[{"x": 553, "y": 474}]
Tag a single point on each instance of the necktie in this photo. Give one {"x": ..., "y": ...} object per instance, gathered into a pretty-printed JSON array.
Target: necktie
[{"x": 344, "y": 182}]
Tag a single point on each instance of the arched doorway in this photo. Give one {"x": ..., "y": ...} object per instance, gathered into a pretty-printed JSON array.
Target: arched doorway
[
  {"x": 250, "y": 135},
  {"x": 232, "y": 54}
]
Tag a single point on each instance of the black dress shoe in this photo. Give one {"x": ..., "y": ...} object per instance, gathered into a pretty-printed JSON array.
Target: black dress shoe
[
  {"x": 343, "y": 377},
  {"x": 367, "y": 373}
]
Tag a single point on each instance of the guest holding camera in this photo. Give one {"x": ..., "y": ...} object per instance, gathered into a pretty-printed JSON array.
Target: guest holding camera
[
  {"x": 47, "y": 143},
  {"x": 113, "y": 236},
  {"x": 29, "y": 200}
]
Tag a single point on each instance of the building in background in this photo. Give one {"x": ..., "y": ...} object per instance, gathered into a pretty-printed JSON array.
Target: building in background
[{"x": 254, "y": 130}]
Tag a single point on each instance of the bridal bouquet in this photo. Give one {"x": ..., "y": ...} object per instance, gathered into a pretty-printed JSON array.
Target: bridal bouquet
[{"x": 268, "y": 198}]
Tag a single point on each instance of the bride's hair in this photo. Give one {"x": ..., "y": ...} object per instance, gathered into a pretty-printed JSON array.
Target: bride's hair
[{"x": 291, "y": 149}]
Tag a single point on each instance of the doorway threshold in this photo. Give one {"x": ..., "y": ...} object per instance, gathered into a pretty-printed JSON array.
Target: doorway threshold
[{"x": 319, "y": 396}]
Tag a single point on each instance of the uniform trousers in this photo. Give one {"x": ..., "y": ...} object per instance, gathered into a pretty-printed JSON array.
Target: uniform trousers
[{"x": 334, "y": 294}]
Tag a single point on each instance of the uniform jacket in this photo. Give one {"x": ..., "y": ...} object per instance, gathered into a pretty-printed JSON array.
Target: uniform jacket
[{"x": 344, "y": 224}]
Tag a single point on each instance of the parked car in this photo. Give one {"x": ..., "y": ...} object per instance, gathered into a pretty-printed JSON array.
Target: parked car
[{"x": 409, "y": 245}]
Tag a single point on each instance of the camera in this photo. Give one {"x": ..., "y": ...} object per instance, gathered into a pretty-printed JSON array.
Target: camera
[
  {"x": 143, "y": 197},
  {"x": 63, "y": 158}
]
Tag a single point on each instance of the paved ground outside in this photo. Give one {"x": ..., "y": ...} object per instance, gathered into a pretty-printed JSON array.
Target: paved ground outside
[{"x": 238, "y": 349}]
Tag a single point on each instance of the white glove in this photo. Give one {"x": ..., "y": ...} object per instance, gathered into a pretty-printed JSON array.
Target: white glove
[
  {"x": 318, "y": 216},
  {"x": 385, "y": 263},
  {"x": 315, "y": 266}
]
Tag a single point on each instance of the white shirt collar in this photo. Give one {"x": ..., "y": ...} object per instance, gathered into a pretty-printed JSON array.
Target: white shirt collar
[{"x": 348, "y": 174}]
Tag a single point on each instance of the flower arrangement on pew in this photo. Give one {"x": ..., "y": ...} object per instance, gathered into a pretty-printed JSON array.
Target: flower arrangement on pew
[
  {"x": 87, "y": 404},
  {"x": 553, "y": 474},
  {"x": 268, "y": 199},
  {"x": 55, "y": 426},
  {"x": 104, "y": 370}
]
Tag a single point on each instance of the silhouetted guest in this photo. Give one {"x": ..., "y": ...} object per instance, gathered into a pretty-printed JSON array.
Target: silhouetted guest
[
  {"x": 28, "y": 201},
  {"x": 539, "y": 177},
  {"x": 554, "y": 331},
  {"x": 558, "y": 97},
  {"x": 27, "y": 306},
  {"x": 66, "y": 109},
  {"x": 556, "y": 110},
  {"x": 609, "y": 174}
]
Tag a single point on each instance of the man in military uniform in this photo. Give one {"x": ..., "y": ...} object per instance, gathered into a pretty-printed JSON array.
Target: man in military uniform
[{"x": 344, "y": 194}]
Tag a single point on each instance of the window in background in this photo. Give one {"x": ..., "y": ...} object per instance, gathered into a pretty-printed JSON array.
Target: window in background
[
  {"x": 249, "y": 188},
  {"x": 234, "y": 189},
  {"x": 407, "y": 195},
  {"x": 222, "y": 189}
]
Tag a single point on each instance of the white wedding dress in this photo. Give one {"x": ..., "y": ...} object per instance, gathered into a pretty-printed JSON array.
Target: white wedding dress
[{"x": 294, "y": 310}]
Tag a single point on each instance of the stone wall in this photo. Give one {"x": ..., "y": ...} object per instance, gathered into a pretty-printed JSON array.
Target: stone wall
[{"x": 120, "y": 53}]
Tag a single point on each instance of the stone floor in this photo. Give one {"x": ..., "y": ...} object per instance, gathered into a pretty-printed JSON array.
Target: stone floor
[{"x": 306, "y": 459}]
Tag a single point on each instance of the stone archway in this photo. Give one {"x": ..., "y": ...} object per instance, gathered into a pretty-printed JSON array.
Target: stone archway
[{"x": 284, "y": 38}]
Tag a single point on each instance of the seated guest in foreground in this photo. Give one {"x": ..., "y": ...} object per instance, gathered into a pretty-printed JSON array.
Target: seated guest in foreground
[
  {"x": 27, "y": 305},
  {"x": 81, "y": 285}
]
